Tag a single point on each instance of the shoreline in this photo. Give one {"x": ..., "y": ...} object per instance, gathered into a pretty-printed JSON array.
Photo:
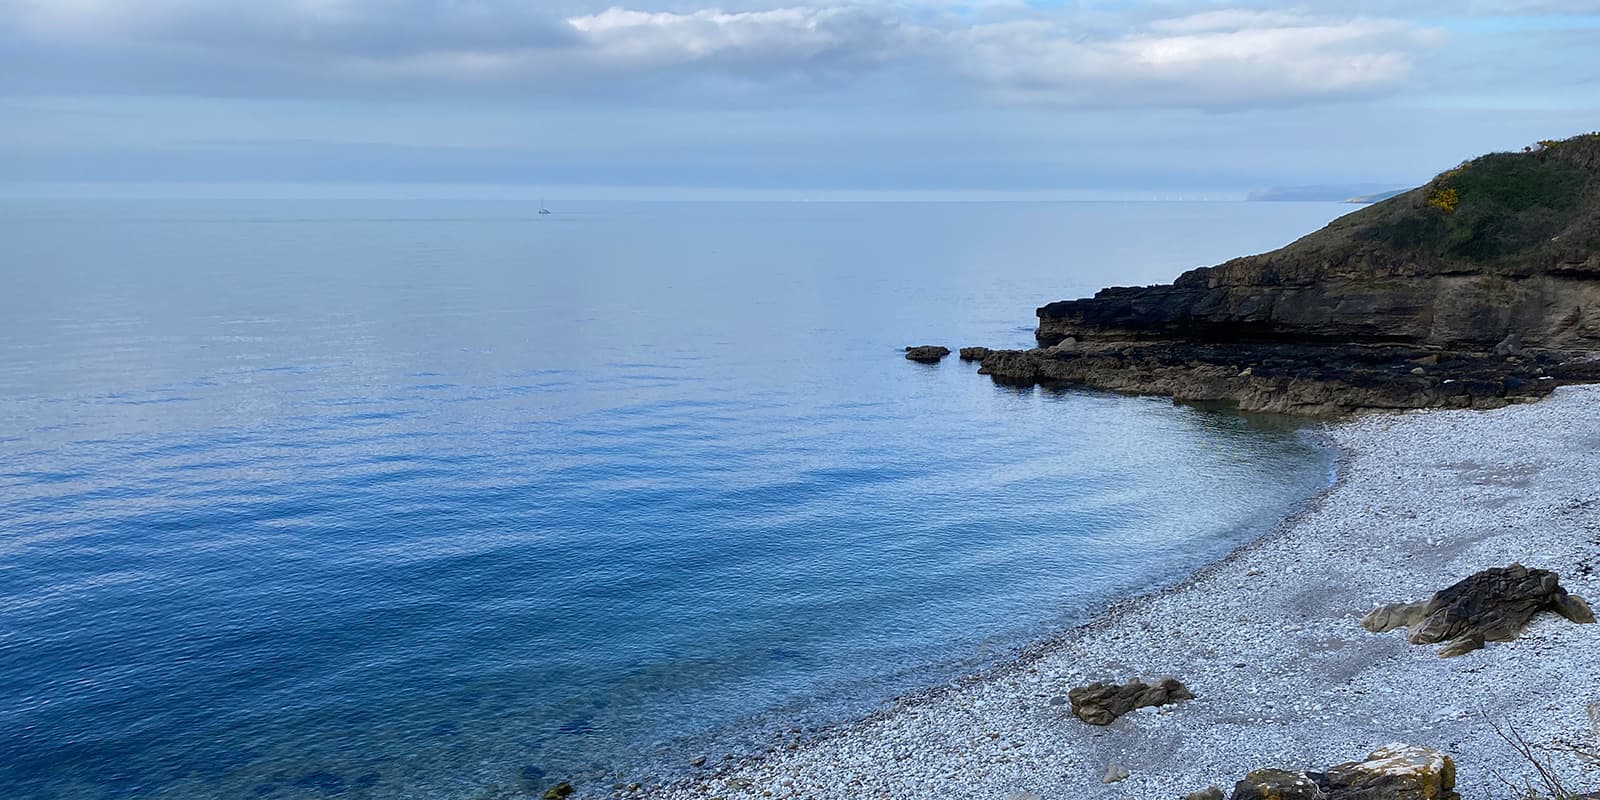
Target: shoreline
[{"x": 1269, "y": 640}]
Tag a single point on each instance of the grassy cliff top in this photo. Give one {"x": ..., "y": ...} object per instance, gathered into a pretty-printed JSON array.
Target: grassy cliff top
[{"x": 1503, "y": 213}]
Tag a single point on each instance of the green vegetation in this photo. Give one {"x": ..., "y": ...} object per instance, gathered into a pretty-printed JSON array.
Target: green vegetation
[{"x": 1501, "y": 207}]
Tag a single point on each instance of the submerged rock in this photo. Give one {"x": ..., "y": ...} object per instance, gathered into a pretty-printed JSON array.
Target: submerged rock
[
  {"x": 560, "y": 791},
  {"x": 927, "y": 353},
  {"x": 1115, "y": 773},
  {"x": 1492, "y": 606},
  {"x": 529, "y": 778},
  {"x": 1102, "y": 703}
]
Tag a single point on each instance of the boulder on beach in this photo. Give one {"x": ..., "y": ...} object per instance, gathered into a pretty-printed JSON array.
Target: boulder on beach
[
  {"x": 1494, "y": 605},
  {"x": 1392, "y": 772},
  {"x": 1277, "y": 784},
  {"x": 1102, "y": 703},
  {"x": 927, "y": 353}
]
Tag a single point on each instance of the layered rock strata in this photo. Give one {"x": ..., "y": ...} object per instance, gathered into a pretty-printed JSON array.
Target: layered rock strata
[{"x": 1479, "y": 289}]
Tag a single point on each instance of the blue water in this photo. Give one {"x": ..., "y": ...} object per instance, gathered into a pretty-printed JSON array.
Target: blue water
[{"x": 375, "y": 499}]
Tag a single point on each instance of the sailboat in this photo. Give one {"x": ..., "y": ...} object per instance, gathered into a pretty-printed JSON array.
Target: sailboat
[{"x": 543, "y": 212}]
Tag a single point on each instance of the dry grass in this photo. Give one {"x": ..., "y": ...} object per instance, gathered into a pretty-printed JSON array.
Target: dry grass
[{"x": 1546, "y": 782}]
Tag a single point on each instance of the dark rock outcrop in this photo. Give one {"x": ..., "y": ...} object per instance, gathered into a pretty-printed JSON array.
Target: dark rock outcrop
[
  {"x": 975, "y": 353},
  {"x": 927, "y": 353},
  {"x": 1394, "y": 772},
  {"x": 1493, "y": 268},
  {"x": 1277, "y": 784},
  {"x": 1492, "y": 606},
  {"x": 1102, "y": 703}
]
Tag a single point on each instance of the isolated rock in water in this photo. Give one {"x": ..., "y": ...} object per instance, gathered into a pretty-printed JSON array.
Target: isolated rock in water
[
  {"x": 560, "y": 791},
  {"x": 975, "y": 353},
  {"x": 1102, "y": 703},
  {"x": 1115, "y": 773},
  {"x": 1394, "y": 772},
  {"x": 1494, "y": 605},
  {"x": 1277, "y": 784},
  {"x": 927, "y": 353},
  {"x": 1212, "y": 793}
]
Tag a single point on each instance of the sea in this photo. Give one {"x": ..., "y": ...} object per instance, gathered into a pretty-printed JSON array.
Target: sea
[{"x": 440, "y": 498}]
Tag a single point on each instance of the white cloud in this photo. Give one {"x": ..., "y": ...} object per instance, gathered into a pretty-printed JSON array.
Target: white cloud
[
  {"x": 1232, "y": 58},
  {"x": 1004, "y": 50},
  {"x": 619, "y": 38}
]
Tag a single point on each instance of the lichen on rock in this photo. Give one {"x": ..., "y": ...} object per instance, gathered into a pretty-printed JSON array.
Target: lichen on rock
[{"x": 1392, "y": 772}]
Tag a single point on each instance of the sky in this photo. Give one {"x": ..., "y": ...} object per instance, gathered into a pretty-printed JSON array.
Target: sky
[{"x": 798, "y": 96}]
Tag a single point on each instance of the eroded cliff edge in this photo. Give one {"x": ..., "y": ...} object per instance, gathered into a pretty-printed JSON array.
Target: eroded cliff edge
[{"x": 1478, "y": 289}]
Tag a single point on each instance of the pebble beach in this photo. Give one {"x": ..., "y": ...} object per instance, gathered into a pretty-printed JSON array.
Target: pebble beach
[{"x": 1269, "y": 640}]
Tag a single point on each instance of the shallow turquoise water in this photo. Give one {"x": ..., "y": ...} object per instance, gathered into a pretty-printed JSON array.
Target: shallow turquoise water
[{"x": 405, "y": 499}]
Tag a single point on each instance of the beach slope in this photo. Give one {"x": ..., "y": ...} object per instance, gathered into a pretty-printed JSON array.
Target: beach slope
[{"x": 1270, "y": 642}]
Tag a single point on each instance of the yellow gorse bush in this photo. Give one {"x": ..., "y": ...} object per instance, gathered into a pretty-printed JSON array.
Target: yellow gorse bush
[{"x": 1445, "y": 199}]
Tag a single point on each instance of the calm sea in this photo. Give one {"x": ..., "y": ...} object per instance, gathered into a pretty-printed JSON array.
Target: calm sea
[{"x": 379, "y": 499}]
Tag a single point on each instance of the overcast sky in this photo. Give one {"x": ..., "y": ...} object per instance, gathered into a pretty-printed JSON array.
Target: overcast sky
[{"x": 803, "y": 95}]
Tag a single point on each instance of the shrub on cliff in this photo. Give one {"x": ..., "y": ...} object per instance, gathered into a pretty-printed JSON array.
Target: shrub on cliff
[{"x": 1497, "y": 207}]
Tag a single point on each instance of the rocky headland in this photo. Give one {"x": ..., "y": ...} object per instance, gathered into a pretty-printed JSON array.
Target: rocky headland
[{"x": 1479, "y": 289}]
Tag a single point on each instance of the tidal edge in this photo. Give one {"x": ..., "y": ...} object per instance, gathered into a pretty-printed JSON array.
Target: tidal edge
[{"x": 1269, "y": 638}]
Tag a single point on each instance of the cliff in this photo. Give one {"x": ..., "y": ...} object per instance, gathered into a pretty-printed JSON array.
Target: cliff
[{"x": 1477, "y": 289}]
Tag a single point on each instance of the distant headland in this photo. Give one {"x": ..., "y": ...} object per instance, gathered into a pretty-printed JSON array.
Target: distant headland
[{"x": 1478, "y": 289}]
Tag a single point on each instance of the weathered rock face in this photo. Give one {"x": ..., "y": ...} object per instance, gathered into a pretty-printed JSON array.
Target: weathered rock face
[
  {"x": 1102, "y": 703},
  {"x": 1497, "y": 259},
  {"x": 927, "y": 353},
  {"x": 1507, "y": 243},
  {"x": 1394, "y": 772},
  {"x": 975, "y": 353},
  {"x": 1471, "y": 311},
  {"x": 1492, "y": 606}
]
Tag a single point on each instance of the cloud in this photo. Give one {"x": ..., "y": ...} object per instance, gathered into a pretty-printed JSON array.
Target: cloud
[
  {"x": 1214, "y": 59},
  {"x": 1008, "y": 52}
]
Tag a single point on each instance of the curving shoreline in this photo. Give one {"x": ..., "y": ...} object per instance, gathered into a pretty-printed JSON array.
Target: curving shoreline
[{"x": 1269, "y": 640}]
